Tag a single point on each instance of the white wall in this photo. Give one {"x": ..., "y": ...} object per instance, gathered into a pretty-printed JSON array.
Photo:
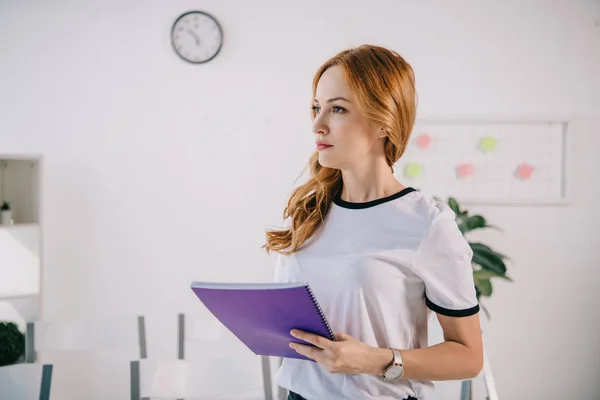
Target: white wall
[{"x": 158, "y": 172}]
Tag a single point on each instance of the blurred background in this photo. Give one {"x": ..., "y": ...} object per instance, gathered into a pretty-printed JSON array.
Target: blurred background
[{"x": 129, "y": 172}]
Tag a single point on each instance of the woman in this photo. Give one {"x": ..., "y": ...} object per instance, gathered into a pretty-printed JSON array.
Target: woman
[{"x": 378, "y": 255}]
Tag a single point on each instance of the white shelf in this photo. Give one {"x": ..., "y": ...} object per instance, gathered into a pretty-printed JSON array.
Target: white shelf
[
  {"x": 17, "y": 296},
  {"x": 13, "y": 227},
  {"x": 20, "y": 242},
  {"x": 19, "y": 186},
  {"x": 19, "y": 260},
  {"x": 20, "y": 309}
]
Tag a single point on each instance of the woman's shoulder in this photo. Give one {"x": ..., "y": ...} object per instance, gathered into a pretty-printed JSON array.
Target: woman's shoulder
[{"x": 421, "y": 211}]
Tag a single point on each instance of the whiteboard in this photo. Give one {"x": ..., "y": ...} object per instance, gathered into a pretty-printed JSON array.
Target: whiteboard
[{"x": 488, "y": 162}]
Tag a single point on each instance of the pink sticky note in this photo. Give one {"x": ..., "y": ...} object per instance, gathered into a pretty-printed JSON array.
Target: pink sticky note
[
  {"x": 524, "y": 171},
  {"x": 465, "y": 170},
  {"x": 424, "y": 140}
]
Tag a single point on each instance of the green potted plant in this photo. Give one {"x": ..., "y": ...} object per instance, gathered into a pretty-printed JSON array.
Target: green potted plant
[
  {"x": 487, "y": 263},
  {"x": 12, "y": 343},
  {"x": 5, "y": 214}
]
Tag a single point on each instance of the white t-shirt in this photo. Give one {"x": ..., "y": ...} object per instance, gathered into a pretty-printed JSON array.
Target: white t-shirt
[{"x": 377, "y": 269}]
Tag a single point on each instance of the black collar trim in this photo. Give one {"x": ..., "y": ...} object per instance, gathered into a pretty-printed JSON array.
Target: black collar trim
[{"x": 372, "y": 203}]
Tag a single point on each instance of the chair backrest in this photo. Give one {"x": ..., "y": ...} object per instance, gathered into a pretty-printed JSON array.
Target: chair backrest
[
  {"x": 90, "y": 335},
  {"x": 25, "y": 382},
  {"x": 217, "y": 363},
  {"x": 91, "y": 356},
  {"x": 205, "y": 328},
  {"x": 198, "y": 379}
]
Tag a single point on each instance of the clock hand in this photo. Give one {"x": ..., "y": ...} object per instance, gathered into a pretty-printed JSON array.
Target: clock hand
[{"x": 195, "y": 36}]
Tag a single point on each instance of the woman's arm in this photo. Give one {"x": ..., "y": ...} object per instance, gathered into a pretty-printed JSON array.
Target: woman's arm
[{"x": 460, "y": 356}]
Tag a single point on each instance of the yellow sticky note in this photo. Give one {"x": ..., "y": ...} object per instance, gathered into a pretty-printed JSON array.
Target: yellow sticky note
[
  {"x": 412, "y": 170},
  {"x": 488, "y": 144}
]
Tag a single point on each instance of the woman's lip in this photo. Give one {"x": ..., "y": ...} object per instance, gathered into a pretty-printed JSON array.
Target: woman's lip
[{"x": 321, "y": 146}]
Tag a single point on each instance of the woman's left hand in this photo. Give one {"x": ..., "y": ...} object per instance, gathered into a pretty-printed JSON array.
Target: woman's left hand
[{"x": 346, "y": 355}]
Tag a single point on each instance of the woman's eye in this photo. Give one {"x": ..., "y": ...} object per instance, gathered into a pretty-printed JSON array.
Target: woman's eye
[{"x": 334, "y": 109}]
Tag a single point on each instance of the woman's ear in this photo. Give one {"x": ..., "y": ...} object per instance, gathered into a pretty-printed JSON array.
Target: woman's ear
[{"x": 382, "y": 133}]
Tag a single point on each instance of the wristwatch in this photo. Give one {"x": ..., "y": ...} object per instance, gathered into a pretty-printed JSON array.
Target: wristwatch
[{"x": 396, "y": 369}]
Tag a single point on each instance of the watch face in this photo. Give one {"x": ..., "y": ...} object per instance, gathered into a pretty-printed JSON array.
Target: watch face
[
  {"x": 394, "y": 372},
  {"x": 196, "y": 37}
]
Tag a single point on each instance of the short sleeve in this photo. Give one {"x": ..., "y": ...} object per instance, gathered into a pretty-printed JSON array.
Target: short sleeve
[
  {"x": 281, "y": 272},
  {"x": 443, "y": 262}
]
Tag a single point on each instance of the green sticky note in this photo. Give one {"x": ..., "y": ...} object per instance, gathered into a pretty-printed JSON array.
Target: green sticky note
[
  {"x": 412, "y": 170},
  {"x": 488, "y": 144}
]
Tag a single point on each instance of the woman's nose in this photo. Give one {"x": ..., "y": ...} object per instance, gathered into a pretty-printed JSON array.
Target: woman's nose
[{"x": 319, "y": 127}]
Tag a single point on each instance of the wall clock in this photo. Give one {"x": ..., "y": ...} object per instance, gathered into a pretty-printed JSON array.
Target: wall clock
[{"x": 196, "y": 37}]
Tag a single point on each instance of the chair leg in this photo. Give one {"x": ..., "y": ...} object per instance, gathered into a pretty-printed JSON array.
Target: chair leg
[
  {"x": 30, "y": 356},
  {"x": 142, "y": 336},
  {"x": 180, "y": 338},
  {"x": 466, "y": 390},
  {"x": 134, "y": 376},
  {"x": 46, "y": 382},
  {"x": 266, "y": 373}
]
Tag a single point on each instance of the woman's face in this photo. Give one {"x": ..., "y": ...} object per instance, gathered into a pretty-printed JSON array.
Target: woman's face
[{"x": 339, "y": 123}]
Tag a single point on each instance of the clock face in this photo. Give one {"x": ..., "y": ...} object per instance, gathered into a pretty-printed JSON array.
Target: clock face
[{"x": 196, "y": 37}]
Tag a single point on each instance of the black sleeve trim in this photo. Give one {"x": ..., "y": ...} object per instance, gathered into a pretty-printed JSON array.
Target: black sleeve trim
[{"x": 451, "y": 313}]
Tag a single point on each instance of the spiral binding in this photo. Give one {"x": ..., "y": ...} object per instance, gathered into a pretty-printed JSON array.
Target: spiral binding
[{"x": 313, "y": 298}]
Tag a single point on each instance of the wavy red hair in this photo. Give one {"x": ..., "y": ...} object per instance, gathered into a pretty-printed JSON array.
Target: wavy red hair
[{"x": 384, "y": 85}]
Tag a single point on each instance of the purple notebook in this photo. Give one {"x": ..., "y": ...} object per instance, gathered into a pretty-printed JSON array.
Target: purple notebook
[{"x": 261, "y": 315}]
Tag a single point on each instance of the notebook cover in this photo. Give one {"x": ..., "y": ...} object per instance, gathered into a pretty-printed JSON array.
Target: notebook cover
[{"x": 261, "y": 316}]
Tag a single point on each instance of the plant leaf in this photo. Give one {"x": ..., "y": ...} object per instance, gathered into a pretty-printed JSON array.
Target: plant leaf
[
  {"x": 13, "y": 343},
  {"x": 487, "y": 314},
  {"x": 461, "y": 221},
  {"x": 487, "y": 274},
  {"x": 484, "y": 286},
  {"x": 489, "y": 261},
  {"x": 454, "y": 205},
  {"x": 494, "y": 227},
  {"x": 476, "y": 222},
  {"x": 482, "y": 248}
]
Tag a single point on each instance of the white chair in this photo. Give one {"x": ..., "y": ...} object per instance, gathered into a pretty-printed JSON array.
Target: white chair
[
  {"x": 211, "y": 364},
  {"x": 488, "y": 378},
  {"x": 488, "y": 382},
  {"x": 25, "y": 382},
  {"x": 91, "y": 356},
  {"x": 202, "y": 380},
  {"x": 465, "y": 389}
]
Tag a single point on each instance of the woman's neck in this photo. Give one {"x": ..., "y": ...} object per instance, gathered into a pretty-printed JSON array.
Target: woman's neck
[{"x": 369, "y": 183}]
